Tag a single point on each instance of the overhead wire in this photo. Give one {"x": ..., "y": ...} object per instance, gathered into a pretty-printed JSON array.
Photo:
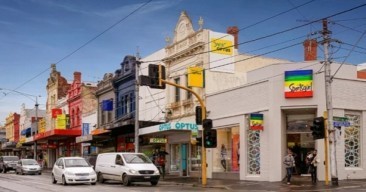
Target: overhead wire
[
  {"x": 349, "y": 53},
  {"x": 86, "y": 43}
]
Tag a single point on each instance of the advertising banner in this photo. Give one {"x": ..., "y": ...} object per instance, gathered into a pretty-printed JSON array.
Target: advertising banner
[
  {"x": 61, "y": 121},
  {"x": 195, "y": 77},
  {"x": 299, "y": 84},
  {"x": 221, "y": 52},
  {"x": 256, "y": 121}
]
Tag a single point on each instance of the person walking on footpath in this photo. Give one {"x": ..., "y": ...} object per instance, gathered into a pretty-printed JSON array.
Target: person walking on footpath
[
  {"x": 313, "y": 159},
  {"x": 289, "y": 162}
]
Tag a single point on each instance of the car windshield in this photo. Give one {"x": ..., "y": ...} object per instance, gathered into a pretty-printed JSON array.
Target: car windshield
[
  {"x": 12, "y": 158},
  {"x": 29, "y": 162},
  {"x": 76, "y": 163},
  {"x": 136, "y": 158}
]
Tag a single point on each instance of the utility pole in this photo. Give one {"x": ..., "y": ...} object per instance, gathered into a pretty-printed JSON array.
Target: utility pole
[
  {"x": 35, "y": 132},
  {"x": 328, "y": 94},
  {"x": 137, "y": 99}
]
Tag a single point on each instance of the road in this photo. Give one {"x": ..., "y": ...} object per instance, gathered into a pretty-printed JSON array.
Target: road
[{"x": 10, "y": 182}]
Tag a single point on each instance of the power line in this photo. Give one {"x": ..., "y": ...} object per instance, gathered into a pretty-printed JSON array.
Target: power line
[
  {"x": 349, "y": 53},
  {"x": 274, "y": 34},
  {"x": 86, "y": 43}
]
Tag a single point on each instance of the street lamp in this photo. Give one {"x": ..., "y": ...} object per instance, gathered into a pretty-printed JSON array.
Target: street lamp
[{"x": 36, "y": 105}]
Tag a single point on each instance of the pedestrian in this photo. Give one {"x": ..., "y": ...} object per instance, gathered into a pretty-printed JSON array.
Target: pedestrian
[
  {"x": 313, "y": 164},
  {"x": 289, "y": 162},
  {"x": 223, "y": 156}
]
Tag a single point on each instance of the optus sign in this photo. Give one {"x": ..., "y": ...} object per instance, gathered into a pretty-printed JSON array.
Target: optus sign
[
  {"x": 298, "y": 84},
  {"x": 178, "y": 126}
]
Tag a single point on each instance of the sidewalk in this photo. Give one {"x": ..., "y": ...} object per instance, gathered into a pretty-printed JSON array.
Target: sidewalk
[
  {"x": 303, "y": 183},
  {"x": 298, "y": 183}
]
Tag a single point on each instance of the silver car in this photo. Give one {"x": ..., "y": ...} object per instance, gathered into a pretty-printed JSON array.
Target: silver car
[{"x": 28, "y": 166}]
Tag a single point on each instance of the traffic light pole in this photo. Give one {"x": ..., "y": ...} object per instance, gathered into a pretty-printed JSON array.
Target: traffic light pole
[{"x": 203, "y": 149}]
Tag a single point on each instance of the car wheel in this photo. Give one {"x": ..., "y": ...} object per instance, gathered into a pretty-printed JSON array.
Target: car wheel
[
  {"x": 53, "y": 179},
  {"x": 94, "y": 183},
  {"x": 4, "y": 170},
  {"x": 64, "y": 180},
  {"x": 40, "y": 173},
  {"x": 153, "y": 183},
  {"x": 125, "y": 180},
  {"x": 100, "y": 178},
  {"x": 21, "y": 172}
]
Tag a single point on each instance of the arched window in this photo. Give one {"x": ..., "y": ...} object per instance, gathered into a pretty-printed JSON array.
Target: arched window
[
  {"x": 78, "y": 117},
  {"x": 72, "y": 118}
]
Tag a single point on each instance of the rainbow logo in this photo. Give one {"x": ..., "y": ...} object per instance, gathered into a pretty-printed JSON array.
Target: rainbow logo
[
  {"x": 256, "y": 121},
  {"x": 298, "y": 84}
]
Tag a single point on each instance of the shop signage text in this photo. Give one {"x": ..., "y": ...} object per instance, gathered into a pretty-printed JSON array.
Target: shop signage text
[
  {"x": 298, "y": 84},
  {"x": 158, "y": 140},
  {"x": 178, "y": 126}
]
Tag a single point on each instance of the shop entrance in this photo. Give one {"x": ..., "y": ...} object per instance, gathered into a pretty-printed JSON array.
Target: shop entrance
[{"x": 299, "y": 138}]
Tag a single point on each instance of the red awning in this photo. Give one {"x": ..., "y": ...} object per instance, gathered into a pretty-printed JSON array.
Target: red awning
[{"x": 52, "y": 134}]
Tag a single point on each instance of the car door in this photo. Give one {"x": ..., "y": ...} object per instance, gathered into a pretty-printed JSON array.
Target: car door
[
  {"x": 18, "y": 168},
  {"x": 58, "y": 169},
  {"x": 118, "y": 167}
]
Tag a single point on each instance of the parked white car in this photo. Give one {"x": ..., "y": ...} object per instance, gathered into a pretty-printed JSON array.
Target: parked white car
[
  {"x": 71, "y": 170},
  {"x": 28, "y": 166},
  {"x": 126, "y": 167}
]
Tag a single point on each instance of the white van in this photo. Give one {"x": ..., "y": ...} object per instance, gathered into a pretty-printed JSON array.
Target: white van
[{"x": 126, "y": 167}]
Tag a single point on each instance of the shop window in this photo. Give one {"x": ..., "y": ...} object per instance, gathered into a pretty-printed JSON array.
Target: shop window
[
  {"x": 195, "y": 158},
  {"x": 352, "y": 141},
  {"x": 177, "y": 90},
  {"x": 175, "y": 161},
  {"x": 253, "y": 161},
  {"x": 189, "y": 94},
  {"x": 226, "y": 156}
]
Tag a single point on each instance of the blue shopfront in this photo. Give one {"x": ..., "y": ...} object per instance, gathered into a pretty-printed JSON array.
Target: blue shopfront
[{"x": 183, "y": 157}]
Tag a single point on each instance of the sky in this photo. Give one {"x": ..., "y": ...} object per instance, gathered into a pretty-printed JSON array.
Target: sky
[{"x": 93, "y": 36}]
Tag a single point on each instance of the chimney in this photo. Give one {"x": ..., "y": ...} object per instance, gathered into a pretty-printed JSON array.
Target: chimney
[
  {"x": 77, "y": 76},
  {"x": 310, "y": 49},
  {"x": 235, "y": 32}
]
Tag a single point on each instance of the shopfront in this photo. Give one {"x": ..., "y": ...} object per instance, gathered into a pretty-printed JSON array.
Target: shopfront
[
  {"x": 174, "y": 139},
  {"x": 57, "y": 143},
  {"x": 287, "y": 105}
]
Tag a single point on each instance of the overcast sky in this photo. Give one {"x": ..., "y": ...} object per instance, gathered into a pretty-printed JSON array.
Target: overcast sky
[{"x": 36, "y": 33}]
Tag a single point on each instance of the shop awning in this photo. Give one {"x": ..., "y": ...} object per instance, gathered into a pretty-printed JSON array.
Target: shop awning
[
  {"x": 96, "y": 134},
  {"x": 58, "y": 134},
  {"x": 99, "y": 131}
]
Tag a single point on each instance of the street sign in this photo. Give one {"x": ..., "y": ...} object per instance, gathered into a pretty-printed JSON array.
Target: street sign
[{"x": 341, "y": 122}]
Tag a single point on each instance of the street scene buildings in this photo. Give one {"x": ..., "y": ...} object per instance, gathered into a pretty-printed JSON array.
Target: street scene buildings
[{"x": 259, "y": 106}]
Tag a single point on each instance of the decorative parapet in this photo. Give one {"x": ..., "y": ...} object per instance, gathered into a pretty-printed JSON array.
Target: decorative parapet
[{"x": 175, "y": 105}]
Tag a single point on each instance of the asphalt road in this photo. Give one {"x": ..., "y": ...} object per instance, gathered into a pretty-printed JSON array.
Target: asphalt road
[{"x": 10, "y": 182}]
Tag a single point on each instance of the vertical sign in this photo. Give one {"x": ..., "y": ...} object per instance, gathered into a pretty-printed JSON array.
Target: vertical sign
[
  {"x": 298, "y": 84},
  {"x": 195, "y": 77},
  {"x": 85, "y": 130},
  {"x": 221, "y": 52},
  {"x": 256, "y": 121},
  {"x": 61, "y": 121}
]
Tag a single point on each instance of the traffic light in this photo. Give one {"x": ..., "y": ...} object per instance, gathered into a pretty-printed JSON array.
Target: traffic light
[
  {"x": 318, "y": 128},
  {"x": 154, "y": 76},
  {"x": 207, "y": 124},
  {"x": 198, "y": 115},
  {"x": 199, "y": 141},
  {"x": 210, "y": 138}
]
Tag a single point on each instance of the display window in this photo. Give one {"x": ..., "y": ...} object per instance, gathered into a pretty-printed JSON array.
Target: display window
[{"x": 226, "y": 156}]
